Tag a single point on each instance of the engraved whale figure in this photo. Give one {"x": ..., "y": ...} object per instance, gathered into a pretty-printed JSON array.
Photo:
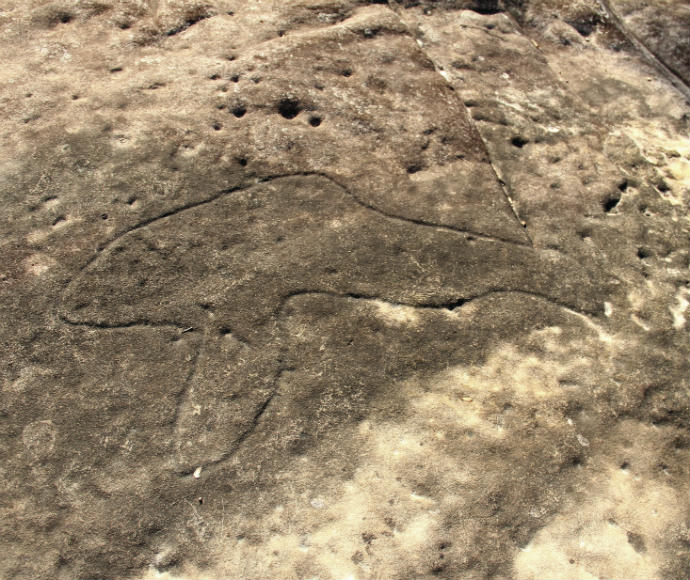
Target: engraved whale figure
[{"x": 227, "y": 267}]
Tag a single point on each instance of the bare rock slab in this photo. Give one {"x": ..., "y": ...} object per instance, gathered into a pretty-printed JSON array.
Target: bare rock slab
[{"x": 344, "y": 289}]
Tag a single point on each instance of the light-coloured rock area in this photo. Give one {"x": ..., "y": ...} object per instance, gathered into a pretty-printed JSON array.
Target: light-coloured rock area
[{"x": 344, "y": 289}]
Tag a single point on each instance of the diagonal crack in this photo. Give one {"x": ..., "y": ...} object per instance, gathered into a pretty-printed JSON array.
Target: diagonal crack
[
  {"x": 400, "y": 12},
  {"x": 653, "y": 59}
]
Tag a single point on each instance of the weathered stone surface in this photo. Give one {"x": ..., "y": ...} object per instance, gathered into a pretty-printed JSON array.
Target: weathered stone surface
[
  {"x": 344, "y": 289},
  {"x": 663, "y": 28}
]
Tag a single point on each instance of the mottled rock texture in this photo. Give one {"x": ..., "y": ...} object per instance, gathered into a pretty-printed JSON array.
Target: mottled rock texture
[{"x": 336, "y": 288}]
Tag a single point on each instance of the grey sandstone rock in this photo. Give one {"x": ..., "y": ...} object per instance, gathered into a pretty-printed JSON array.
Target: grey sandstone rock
[{"x": 343, "y": 289}]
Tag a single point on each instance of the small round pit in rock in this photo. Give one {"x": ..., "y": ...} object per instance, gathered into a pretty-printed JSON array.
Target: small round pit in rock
[
  {"x": 289, "y": 108},
  {"x": 518, "y": 142}
]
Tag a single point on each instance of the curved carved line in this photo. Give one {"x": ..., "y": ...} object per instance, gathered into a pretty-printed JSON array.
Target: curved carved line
[
  {"x": 278, "y": 312},
  {"x": 270, "y": 178},
  {"x": 274, "y": 384}
]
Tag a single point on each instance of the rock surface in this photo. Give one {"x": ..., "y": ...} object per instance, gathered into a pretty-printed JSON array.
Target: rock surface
[{"x": 336, "y": 288}]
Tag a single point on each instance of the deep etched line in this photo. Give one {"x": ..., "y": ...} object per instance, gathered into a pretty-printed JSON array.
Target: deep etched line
[
  {"x": 149, "y": 221},
  {"x": 209, "y": 465},
  {"x": 139, "y": 322},
  {"x": 502, "y": 184},
  {"x": 270, "y": 178},
  {"x": 182, "y": 397},
  {"x": 420, "y": 222},
  {"x": 257, "y": 416},
  {"x": 450, "y": 306}
]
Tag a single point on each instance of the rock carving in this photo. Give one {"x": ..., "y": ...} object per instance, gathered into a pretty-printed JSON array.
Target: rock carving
[{"x": 261, "y": 245}]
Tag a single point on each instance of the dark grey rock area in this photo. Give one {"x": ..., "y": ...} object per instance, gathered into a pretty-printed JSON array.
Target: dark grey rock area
[{"x": 344, "y": 289}]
